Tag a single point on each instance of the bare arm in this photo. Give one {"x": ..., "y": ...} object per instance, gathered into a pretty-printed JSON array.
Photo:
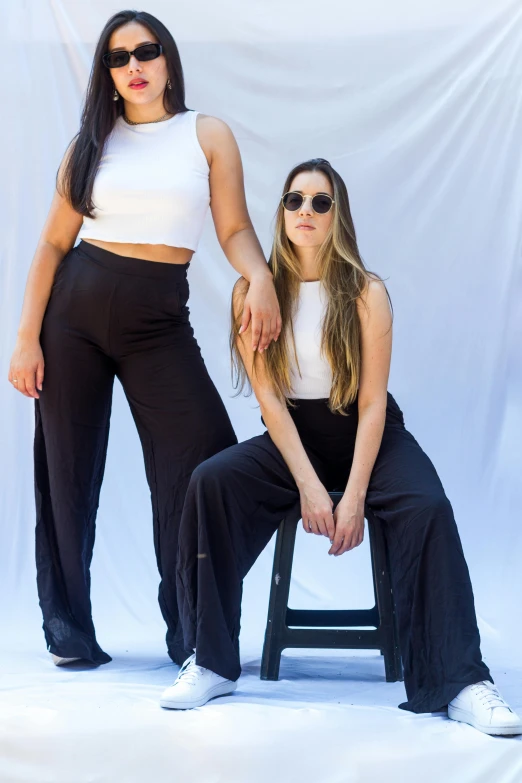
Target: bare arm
[
  {"x": 316, "y": 505},
  {"x": 57, "y": 238},
  {"x": 376, "y": 343},
  {"x": 235, "y": 232}
]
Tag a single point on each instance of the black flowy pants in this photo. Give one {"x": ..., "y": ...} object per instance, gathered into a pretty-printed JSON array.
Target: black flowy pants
[
  {"x": 236, "y": 500},
  {"x": 110, "y": 315}
]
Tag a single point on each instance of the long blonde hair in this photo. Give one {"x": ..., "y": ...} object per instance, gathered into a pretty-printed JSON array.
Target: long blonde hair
[{"x": 344, "y": 277}]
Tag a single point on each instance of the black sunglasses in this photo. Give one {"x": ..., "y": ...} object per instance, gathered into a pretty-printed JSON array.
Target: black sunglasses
[
  {"x": 321, "y": 202},
  {"x": 143, "y": 53}
]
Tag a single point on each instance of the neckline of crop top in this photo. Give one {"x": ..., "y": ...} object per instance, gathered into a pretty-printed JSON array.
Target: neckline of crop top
[
  {"x": 147, "y": 126},
  {"x": 152, "y": 185}
]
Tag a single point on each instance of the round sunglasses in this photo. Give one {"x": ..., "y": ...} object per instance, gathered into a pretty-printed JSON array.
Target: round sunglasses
[
  {"x": 321, "y": 202},
  {"x": 143, "y": 53}
]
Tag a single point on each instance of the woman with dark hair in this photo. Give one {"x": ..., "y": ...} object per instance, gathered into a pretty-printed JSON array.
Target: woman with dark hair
[
  {"x": 331, "y": 424},
  {"x": 135, "y": 185}
]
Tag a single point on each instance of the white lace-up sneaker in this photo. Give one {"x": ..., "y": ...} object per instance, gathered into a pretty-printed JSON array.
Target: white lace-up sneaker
[
  {"x": 482, "y": 706},
  {"x": 194, "y": 686},
  {"x": 62, "y": 661}
]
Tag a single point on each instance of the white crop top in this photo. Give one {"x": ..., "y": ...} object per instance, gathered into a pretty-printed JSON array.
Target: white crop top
[
  {"x": 315, "y": 379},
  {"x": 152, "y": 185}
]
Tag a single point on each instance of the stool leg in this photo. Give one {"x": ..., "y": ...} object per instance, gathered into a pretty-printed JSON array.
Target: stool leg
[
  {"x": 278, "y": 603},
  {"x": 385, "y": 603}
]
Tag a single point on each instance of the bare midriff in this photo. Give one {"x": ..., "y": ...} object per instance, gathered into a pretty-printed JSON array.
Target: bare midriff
[{"x": 163, "y": 254}]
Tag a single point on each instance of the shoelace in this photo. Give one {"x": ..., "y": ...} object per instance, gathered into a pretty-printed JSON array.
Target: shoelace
[
  {"x": 189, "y": 672},
  {"x": 489, "y": 695}
]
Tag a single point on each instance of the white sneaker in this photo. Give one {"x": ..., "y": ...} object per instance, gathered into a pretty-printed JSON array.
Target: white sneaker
[
  {"x": 62, "y": 661},
  {"x": 482, "y": 706},
  {"x": 194, "y": 686}
]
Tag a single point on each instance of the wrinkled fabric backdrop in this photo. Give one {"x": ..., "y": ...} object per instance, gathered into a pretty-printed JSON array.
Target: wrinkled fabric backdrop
[{"x": 418, "y": 106}]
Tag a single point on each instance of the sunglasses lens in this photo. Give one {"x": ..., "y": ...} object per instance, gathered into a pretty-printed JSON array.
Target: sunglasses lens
[
  {"x": 142, "y": 53},
  {"x": 292, "y": 201},
  {"x": 147, "y": 52},
  {"x": 321, "y": 203},
  {"x": 116, "y": 59}
]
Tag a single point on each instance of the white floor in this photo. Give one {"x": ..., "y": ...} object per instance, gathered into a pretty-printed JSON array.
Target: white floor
[{"x": 331, "y": 718}]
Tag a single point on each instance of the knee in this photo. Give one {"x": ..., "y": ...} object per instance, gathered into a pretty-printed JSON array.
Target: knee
[
  {"x": 435, "y": 528},
  {"x": 438, "y": 504},
  {"x": 433, "y": 508},
  {"x": 202, "y": 474},
  {"x": 202, "y": 492},
  {"x": 209, "y": 473},
  {"x": 433, "y": 516}
]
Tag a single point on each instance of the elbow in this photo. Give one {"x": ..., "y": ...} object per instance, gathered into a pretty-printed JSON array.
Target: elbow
[
  {"x": 224, "y": 237},
  {"x": 374, "y": 404},
  {"x": 56, "y": 248},
  {"x": 270, "y": 404},
  {"x": 264, "y": 405}
]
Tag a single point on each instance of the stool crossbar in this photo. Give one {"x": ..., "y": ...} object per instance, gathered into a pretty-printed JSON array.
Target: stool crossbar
[{"x": 336, "y": 628}]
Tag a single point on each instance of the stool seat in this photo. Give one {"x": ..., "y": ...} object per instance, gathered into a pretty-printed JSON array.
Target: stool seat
[{"x": 344, "y": 625}]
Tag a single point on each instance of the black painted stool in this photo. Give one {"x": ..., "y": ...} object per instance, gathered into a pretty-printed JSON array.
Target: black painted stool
[{"x": 281, "y": 631}]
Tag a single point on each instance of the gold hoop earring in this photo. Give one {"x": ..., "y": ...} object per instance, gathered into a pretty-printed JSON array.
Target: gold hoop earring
[
  {"x": 115, "y": 95},
  {"x": 169, "y": 85}
]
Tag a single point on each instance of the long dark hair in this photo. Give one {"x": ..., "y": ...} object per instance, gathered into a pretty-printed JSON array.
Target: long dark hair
[{"x": 100, "y": 111}]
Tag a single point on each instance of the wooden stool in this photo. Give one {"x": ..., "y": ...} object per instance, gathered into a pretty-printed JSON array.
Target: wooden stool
[{"x": 281, "y": 631}]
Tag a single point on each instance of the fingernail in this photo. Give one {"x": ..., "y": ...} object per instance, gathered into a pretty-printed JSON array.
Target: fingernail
[{"x": 240, "y": 330}]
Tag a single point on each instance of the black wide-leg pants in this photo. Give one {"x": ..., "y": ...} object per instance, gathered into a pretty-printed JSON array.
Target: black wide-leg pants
[
  {"x": 113, "y": 316},
  {"x": 236, "y": 500}
]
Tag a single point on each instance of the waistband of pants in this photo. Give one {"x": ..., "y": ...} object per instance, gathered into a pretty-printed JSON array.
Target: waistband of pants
[
  {"x": 127, "y": 265},
  {"x": 318, "y": 406},
  {"x": 315, "y": 415}
]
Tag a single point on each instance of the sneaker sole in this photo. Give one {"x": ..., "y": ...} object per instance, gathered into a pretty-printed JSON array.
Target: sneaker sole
[
  {"x": 223, "y": 689},
  {"x": 58, "y": 661},
  {"x": 455, "y": 713}
]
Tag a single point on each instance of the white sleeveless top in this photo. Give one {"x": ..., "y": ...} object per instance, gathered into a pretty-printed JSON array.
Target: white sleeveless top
[
  {"x": 152, "y": 185},
  {"x": 314, "y": 381}
]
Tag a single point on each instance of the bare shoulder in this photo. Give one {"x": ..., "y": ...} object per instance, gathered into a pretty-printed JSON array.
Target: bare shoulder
[
  {"x": 374, "y": 300},
  {"x": 239, "y": 293},
  {"x": 213, "y": 134},
  {"x": 212, "y": 124}
]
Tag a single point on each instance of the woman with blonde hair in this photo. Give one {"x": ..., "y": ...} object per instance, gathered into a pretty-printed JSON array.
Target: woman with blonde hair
[{"x": 331, "y": 423}]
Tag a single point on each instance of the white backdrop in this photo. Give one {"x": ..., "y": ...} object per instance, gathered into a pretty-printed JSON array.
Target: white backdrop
[{"x": 418, "y": 106}]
